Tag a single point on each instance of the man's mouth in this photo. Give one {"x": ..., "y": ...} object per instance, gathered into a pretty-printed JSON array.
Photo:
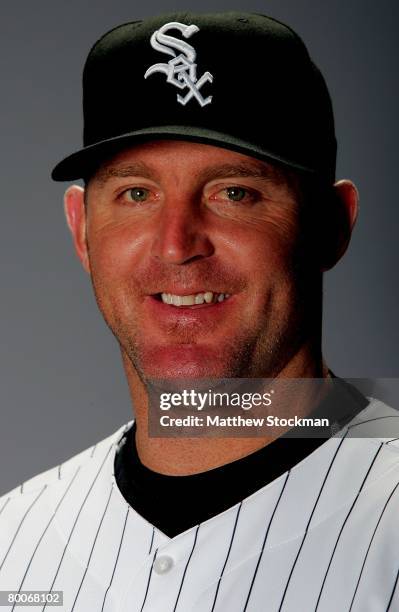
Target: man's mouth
[{"x": 194, "y": 299}]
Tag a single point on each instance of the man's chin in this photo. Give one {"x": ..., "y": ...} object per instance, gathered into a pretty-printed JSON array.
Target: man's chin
[{"x": 184, "y": 361}]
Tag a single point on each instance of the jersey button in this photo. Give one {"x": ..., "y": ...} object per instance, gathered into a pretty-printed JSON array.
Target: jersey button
[{"x": 163, "y": 564}]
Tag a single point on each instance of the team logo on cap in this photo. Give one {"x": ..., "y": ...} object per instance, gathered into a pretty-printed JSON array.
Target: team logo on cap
[{"x": 181, "y": 70}]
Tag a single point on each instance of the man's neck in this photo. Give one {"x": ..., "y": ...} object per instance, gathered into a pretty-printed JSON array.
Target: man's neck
[{"x": 184, "y": 456}]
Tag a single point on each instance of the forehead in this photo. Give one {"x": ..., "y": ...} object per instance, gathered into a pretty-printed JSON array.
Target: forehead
[{"x": 196, "y": 161}]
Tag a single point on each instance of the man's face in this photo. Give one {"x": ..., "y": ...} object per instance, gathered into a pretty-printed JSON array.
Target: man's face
[{"x": 178, "y": 222}]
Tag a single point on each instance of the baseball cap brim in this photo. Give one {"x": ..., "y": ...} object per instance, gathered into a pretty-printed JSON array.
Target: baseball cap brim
[{"x": 82, "y": 163}]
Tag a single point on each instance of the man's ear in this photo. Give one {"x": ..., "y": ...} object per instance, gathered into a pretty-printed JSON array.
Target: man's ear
[
  {"x": 340, "y": 222},
  {"x": 74, "y": 207}
]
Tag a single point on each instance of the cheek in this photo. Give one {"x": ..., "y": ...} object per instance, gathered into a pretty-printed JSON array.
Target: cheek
[
  {"x": 268, "y": 253},
  {"x": 114, "y": 250},
  {"x": 267, "y": 257}
]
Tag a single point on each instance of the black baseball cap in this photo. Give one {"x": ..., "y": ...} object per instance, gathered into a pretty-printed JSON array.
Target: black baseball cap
[{"x": 241, "y": 81}]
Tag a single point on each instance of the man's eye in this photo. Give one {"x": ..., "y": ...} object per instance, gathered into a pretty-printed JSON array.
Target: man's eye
[
  {"x": 137, "y": 194},
  {"x": 236, "y": 194}
]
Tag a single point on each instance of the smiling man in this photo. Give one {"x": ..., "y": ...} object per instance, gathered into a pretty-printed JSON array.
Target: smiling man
[
  {"x": 214, "y": 239},
  {"x": 208, "y": 216}
]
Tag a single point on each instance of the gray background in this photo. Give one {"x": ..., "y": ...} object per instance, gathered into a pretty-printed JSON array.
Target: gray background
[{"x": 62, "y": 386}]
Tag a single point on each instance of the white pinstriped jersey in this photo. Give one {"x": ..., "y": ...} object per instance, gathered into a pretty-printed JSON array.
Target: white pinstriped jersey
[{"x": 324, "y": 536}]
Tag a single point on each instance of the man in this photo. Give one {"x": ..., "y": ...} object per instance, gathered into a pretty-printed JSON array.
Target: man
[{"x": 208, "y": 217}]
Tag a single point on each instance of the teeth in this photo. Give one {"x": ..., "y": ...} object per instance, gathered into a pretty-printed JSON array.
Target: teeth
[
  {"x": 190, "y": 300},
  {"x": 186, "y": 300}
]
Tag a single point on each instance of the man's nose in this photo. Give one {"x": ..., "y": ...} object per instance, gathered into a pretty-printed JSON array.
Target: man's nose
[{"x": 182, "y": 234}]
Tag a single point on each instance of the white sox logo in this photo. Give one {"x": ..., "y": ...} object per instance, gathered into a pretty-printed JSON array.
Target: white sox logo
[{"x": 181, "y": 71}]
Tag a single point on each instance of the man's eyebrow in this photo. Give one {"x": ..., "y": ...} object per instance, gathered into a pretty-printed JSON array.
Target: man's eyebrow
[
  {"x": 261, "y": 170},
  {"x": 134, "y": 169}
]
